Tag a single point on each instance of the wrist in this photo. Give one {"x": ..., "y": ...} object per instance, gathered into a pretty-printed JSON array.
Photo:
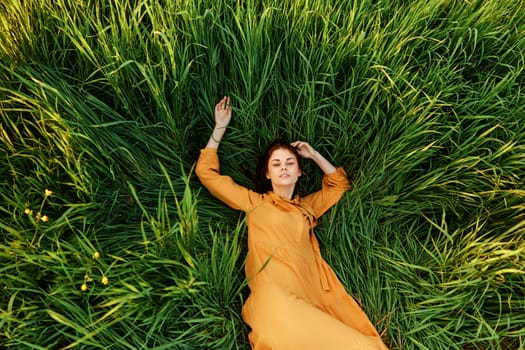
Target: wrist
[{"x": 316, "y": 156}]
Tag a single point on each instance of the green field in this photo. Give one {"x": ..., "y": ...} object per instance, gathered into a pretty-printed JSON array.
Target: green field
[{"x": 106, "y": 103}]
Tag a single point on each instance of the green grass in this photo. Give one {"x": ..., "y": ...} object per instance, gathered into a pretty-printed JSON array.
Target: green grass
[{"x": 107, "y": 103}]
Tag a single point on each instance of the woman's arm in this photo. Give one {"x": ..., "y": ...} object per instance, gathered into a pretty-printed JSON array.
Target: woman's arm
[
  {"x": 208, "y": 167},
  {"x": 334, "y": 184},
  {"x": 307, "y": 151},
  {"x": 223, "y": 114}
]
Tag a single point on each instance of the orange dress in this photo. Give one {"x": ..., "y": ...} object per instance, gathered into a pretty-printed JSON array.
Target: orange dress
[{"x": 296, "y": 301}]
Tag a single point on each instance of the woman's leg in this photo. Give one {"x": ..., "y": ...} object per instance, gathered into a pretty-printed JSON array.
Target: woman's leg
[{"x": 281, "y": 321}]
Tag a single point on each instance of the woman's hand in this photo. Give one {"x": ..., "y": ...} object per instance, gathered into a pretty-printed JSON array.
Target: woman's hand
[
  {"x": 223, "y": 115},
  {"x": 304, "y": 149},
  {"x": 307, "y": 151},
  {"x": 223, "y": 112}
]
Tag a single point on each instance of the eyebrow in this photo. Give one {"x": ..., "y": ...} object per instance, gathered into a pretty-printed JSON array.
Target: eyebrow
[{"x": 287, "y": 159}]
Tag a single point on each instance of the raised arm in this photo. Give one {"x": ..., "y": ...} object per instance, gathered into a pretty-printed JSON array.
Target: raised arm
[
  {"x": 307, "y": 151},
  {"x": 223, "y": 115},
  {"x": 208, "y": 168},
  {"x": 334, "y": 184}
]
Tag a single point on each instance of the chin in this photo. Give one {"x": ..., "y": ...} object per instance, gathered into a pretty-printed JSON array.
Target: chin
[{"x": 286, "y": 183}]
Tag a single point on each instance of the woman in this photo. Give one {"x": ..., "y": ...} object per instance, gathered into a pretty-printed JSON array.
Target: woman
[{"x": 296, "y": 301}]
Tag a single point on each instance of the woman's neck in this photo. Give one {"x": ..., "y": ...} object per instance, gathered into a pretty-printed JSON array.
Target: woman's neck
[{"x": 284, "y": 191}]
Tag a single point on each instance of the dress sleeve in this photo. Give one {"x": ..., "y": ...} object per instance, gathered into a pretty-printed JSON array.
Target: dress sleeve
[
  {"x": 333, "y": 187},
  {"x": 222, "y": 186}
]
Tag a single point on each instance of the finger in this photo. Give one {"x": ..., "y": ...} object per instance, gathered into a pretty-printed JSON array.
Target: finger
[
  {"x": 220, "y": 104},
  {"x": 299, "y": 146}
]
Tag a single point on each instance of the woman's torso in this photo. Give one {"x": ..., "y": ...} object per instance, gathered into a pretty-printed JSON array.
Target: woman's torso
[{"x": 280, "y": 250}]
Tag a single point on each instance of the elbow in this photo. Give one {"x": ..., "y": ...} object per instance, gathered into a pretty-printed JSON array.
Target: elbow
[
  {"x": 198, "y": 171},
  {"x": 205, "y": 174},
  {"x": 202, "y": 174}
]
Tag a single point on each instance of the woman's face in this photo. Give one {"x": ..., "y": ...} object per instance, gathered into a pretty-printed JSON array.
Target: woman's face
[{"x": 283, "y": 168}]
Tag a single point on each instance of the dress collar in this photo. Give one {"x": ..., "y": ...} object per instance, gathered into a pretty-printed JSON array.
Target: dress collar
[
  {"x": 293, "y": 204},
  {"x": 296, "y": 200}
]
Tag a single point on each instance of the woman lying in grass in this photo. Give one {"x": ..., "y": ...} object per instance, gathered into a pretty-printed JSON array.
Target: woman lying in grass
[{"x": 296, "y": 300}]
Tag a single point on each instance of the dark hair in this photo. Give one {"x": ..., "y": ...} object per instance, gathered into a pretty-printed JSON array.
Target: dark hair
[{"x": 262, "y": 184}]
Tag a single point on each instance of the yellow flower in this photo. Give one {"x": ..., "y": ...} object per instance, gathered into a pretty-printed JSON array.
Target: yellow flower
[
  {"x": 44, "y": 218},
  {"x": 38, "y": 216},
  {"x": 48, "y": 192},
  {"x": 83, "y": 287},
  {"x": 96, "y": 255},
  {"x": 105, "y": 280},
  {"x": 28, "y": 211}
]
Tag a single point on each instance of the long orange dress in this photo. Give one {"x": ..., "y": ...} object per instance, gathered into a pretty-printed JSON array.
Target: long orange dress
[{"x": 296, "y": 301}]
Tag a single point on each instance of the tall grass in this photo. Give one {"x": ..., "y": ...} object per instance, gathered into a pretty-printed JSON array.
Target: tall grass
[{"x": 107, "y": 103}]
